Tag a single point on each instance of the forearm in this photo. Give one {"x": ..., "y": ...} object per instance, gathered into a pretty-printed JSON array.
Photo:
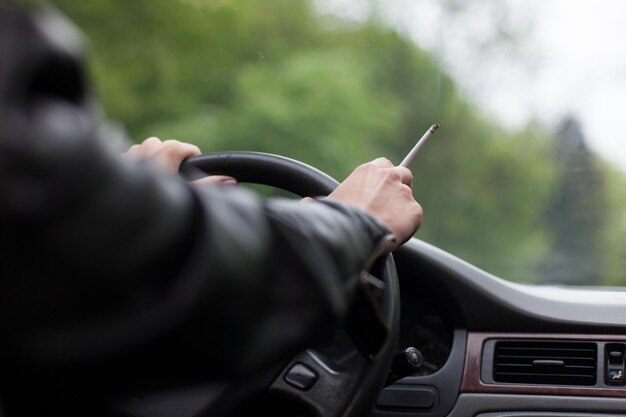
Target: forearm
[
  {"x": 298, "y": 290},
  {"x": 141, "y": 258}
]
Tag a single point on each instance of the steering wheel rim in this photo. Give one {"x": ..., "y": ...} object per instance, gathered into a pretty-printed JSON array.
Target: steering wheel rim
[
  {"x": 337, "y": 391},
  {"x": 262, "y": 168}
]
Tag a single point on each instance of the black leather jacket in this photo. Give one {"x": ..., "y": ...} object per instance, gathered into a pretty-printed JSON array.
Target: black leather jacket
[{"x": 114, "y": 274}]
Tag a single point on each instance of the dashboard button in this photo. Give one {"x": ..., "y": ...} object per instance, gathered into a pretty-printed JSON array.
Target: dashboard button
[{"x": 301, "y": 377}]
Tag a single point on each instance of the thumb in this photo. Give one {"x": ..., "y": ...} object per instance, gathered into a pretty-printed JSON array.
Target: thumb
[{"x": 216, "y": 180}]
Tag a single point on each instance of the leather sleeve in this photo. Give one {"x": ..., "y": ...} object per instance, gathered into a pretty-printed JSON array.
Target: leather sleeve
[
  {"x": 105, "y": 261},
  {"x": 113, "y": 273}
]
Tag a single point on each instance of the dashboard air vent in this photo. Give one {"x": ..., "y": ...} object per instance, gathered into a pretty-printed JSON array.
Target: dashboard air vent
[{"x": 545, "y": 362}]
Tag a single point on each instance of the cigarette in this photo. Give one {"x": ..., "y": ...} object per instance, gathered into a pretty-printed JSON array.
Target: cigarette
[{"x": 409, "y": 157}]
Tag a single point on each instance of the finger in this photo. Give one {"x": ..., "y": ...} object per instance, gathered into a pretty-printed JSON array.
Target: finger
[
  {"x": 406, "y": 176},
  {"x": 132, "y": 150},
  {"x": 150, "y": 140},
  {"x": 382, "y": 162},
  {"x": 178, "y": 150},
  {"x": 216, "y": 180},
  {"x": 149, "y": 147},
  {"x": 140, "y": 149}
]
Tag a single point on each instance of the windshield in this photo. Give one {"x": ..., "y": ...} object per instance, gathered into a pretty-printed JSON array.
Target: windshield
[{"x": 525, "y": 177}]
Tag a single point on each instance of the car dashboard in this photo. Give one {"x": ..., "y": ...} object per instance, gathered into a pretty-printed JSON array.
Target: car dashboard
[{"x": 492, "y": 348}]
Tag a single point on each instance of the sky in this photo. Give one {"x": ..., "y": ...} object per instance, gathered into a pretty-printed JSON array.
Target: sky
[{"x": 565, "y": 57}]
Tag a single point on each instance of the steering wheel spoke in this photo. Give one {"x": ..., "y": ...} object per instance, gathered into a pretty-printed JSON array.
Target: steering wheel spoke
[{"x": 316, "y": 384}]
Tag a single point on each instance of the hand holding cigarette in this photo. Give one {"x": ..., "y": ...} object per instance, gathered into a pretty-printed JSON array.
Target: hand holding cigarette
[
  {"x": 390, "y": 204},
  {"x": 379, "y": 188},
  {"x": 409, "y": 157}
]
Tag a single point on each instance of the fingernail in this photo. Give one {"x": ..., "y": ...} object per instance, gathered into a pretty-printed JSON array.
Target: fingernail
[{"x": 229, "y": 182}]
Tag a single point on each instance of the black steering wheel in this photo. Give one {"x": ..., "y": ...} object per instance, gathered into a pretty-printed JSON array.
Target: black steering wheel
[{"x": 343, "y": 376}]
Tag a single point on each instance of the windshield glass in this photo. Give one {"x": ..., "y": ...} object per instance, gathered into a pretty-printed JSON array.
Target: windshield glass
[{"x": 525, "y": 177}]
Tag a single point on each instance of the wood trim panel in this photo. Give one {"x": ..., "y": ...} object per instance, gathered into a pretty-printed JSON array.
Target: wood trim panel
[{"x": 472, "y": 382}]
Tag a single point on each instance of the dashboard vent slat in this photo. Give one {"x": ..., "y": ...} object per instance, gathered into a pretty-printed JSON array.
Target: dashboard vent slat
[{"x": 545, "y": 362}]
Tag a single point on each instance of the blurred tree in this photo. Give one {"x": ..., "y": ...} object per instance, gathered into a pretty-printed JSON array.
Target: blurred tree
[
  {"x": 575, "y": 216},
  {"x": 313, "y": 106},
  {"x": 614, "y": 244},
  {"x": 274, "y": 76},
  {"x": 156, "y": 60}
]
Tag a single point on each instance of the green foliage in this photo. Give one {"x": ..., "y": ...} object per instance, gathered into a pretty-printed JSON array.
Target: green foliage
[
  {"x": 613, "y": 234},
  {"x": 576, "y": 213},
  {"x": 313, "y": 104},
  {"x": 272, "y": 76}
]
